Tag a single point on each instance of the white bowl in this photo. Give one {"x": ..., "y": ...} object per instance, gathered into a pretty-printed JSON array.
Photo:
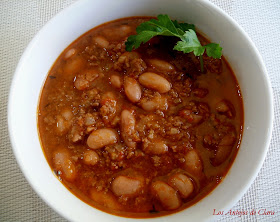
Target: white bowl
[{"x": 82, "y": 16}]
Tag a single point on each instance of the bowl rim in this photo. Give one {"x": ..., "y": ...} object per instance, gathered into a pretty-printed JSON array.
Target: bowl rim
[{"x": 214, "y": 7}]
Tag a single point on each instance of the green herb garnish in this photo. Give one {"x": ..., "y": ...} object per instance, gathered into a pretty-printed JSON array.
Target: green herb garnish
[{"x": 164, "y": 26}]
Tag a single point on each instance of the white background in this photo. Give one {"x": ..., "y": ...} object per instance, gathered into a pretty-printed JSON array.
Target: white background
[{"x": 19, "y": 22}]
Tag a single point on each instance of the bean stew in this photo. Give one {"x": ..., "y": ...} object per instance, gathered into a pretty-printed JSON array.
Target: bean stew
[{"x": 143, "y": 133}]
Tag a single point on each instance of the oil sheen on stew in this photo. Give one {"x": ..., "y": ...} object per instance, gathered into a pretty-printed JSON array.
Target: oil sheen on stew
[{"x": 141, "y": 133}]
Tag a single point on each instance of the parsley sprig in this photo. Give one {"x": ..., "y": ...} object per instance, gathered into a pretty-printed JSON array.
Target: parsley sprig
[{"x": 164, "y": 26}]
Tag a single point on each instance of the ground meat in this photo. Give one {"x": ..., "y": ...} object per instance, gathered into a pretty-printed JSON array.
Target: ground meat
[
  {"x": 213, "y": 65},
  {"x": 91, "y": 98},
  {"x": 108, "y": 112},
  {"x": 131, "y": 64}
]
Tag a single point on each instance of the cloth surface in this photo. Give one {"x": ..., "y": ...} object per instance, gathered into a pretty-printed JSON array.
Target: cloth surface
[{"x": 20, "y": 20}]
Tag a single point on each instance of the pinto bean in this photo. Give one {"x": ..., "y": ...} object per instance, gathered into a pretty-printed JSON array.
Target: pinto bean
[
  {"x": 124, "y": 29},
  {"x": 102, "y": 137},
  {"x": 70, "y": 53},
  {"x": 105, "y": 199},
  {"x": 62, "y": 161},
  {"x": 117, "y": 32},
  {"x": 64, "y": 121},
  {"x": 200, "y": 92},
  {"x": 161, "y": 65},
  {"x": 92, "y": 74},
  {"x": 128, "y": 131},
  {"x": 101, "y": 41},
  {"x": 223, "y": 149},
  {"x": 155, "y": 103},
  {"x": 155, "y": 147},
  {"x": 90, "y": 157},
  {"x": 90, "y": 119},
  {"x": 132, "y": 89},
  {"x": 116, "y": 81},
  {"x": 62, "y": 125},
  {"x": 227, "y": 140},
  {"x": 67, "y": 114},
  {"x": 182, "y": 183},
  {"x": 166, "y": 195},
  {"x": 222, "y": 107},
  {"x": 149, "y": 105},
  {"x": 190, "y": 116},
  {"x": 226, "y": 108},
  {"x": 73, "y": 65},
  {"x": 154, "y": 81},
  {"x": 193, "y": 162},
  {"x": 128, "y": 186},
  {"x": 81, "y": 83},
  {"x": 195, "y": 119},
  {"x": 222, "y": 153}
]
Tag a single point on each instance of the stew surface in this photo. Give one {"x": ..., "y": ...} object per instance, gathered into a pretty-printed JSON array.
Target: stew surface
[{"x": 141, "y": 133}]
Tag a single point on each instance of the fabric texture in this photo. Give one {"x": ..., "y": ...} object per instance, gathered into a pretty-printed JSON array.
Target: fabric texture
[{"x": 21, "y": 20}]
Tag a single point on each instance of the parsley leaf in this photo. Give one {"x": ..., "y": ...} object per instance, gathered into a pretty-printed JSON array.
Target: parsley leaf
[
  {"x": 214, "y": 50},
  {"x": 183, "y": 26},
  {"x": 147, "y": 30},
  {"x": 164, "y": 26},
  {"x": 190, "y": 43}
]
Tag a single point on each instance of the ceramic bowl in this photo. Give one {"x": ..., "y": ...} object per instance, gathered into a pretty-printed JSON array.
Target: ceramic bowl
[{"x": 82, "y": 16}]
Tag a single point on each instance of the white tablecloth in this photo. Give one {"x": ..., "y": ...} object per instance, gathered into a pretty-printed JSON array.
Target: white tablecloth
[{"x": 21, "y": 19}]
